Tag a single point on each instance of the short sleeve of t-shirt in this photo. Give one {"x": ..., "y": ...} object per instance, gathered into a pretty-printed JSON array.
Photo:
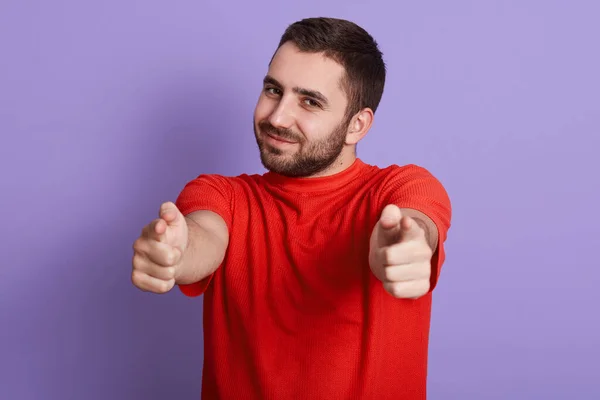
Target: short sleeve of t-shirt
[
  {"x": 414, "y": 187},
  {"x": 206, "y": 192}
]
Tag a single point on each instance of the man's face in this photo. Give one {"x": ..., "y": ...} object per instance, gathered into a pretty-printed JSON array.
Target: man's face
[{"x": 300, "y": 119}]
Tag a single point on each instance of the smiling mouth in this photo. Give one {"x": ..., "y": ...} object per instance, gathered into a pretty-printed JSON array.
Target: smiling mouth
[{"x": 279, "y": 139}]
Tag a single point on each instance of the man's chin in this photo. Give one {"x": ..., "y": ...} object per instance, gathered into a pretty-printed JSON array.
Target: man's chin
[
  {"x": 270, "y": 161},
  {"x": 275, "y": 163}
]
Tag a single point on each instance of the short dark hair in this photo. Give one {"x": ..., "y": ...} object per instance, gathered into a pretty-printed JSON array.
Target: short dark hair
[{"x": 352, "y": 47}]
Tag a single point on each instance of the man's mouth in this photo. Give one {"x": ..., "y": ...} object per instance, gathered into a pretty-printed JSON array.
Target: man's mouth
[{"x": 279, "y": 138}]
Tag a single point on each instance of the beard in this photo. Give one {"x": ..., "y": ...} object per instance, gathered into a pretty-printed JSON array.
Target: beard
[{"x": 311, "y": 157}]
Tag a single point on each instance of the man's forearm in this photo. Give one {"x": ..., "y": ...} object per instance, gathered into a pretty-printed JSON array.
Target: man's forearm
[{"x": 204, "y": 253}]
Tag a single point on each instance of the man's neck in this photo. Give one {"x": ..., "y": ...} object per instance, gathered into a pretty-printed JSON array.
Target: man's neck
[{"x": 342, "y": 163}]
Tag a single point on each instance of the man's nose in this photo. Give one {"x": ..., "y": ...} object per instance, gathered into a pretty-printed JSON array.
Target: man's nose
[{"x": 283, "y": 115}]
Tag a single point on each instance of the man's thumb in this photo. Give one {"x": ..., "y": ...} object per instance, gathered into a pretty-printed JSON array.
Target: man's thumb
[{"x": 170, "y": 213}]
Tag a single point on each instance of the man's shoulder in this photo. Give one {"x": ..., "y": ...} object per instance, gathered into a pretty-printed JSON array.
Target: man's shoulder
[
  {"x": 409, "y": 179},
  {"x": 402, "y": 172},
  {"x": 217, "y": 192},
  {"x": 230, "y": 182}
]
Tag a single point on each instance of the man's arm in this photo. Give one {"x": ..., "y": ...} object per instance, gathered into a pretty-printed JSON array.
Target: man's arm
[
  {"x": 409, "y": 262},
  {"x": 208, "y": 238}
]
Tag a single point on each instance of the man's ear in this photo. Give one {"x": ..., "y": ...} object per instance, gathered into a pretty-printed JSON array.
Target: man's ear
[{"x": 359, "y": 126}]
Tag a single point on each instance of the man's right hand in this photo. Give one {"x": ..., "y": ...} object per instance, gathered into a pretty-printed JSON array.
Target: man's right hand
[{"x": 159, "y": 250}]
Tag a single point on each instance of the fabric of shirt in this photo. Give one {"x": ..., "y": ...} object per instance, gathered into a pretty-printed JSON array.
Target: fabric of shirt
[{"x": 294, "y": 311}]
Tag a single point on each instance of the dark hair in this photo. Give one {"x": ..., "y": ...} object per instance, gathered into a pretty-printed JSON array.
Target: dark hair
[{"x": 352, "y": 47}]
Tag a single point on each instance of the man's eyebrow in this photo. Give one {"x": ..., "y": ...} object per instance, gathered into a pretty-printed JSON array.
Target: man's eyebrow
[
  {"x": 315, "y": 94},
  {"x": 269, "y": 80}
]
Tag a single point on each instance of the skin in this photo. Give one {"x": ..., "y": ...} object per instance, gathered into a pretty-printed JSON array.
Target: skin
[{"x": 302, "y": 130}]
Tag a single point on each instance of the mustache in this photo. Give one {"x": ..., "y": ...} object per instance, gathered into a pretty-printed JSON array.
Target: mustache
[{"x": 286, "y": 134}]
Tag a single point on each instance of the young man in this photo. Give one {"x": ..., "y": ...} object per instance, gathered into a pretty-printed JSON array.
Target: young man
[{"x": 317, "y": 275}]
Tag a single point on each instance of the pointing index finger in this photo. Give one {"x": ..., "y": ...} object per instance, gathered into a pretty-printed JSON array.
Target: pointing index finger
[
  {"x": 410, "y": 229},
  {"x": 156, "y": 230},
  {"x": 389, "y": 225}
]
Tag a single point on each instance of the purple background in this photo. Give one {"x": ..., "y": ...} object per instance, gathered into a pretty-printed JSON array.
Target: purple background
[{"x": 107, "y": 108}]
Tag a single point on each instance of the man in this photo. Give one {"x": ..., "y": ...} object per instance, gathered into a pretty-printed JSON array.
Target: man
[{"x": 317, "y": 275}]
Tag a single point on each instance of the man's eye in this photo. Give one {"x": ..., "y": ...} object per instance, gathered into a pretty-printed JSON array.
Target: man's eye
[
  {"x": 272, "y": 90},
  {"x": 311, "y": 103}
]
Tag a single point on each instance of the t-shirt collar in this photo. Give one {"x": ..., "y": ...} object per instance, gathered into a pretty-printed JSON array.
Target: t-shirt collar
[{"x": 329, "y": 182}]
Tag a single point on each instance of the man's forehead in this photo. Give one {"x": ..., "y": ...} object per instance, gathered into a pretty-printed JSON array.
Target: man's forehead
[{"x": 291, "y": 67}]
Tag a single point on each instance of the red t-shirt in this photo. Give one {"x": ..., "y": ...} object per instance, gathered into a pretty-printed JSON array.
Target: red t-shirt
[{"x": 294, "y": 311}]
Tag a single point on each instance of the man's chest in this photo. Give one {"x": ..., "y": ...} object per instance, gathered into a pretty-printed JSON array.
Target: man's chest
[{"x": 283, "y": 248}]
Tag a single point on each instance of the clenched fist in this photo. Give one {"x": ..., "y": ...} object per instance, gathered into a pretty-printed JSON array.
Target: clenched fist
[
  {"x": 400, "y": 256},
  {"x": 159, "y": 250}
]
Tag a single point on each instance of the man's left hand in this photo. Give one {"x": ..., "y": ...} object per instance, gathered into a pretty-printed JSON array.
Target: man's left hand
[{"x": 399, "y": 255}]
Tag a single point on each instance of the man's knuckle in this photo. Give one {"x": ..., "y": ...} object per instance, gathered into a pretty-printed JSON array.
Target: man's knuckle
[
  {"x": 427, "y": 252},
  {"x": 164, "y": 286},
  {"x": 169, "y": 258},
  {"x": 389, "y": 273},
  {"x": 420, "y": 288},
  {"x": 400, "y": 290},
  {"x": 388, "y": 256},
  {"x": 136, "y": 278},
  {"x": 137, "y": 245},
  {"x": 426, "y": 269},
  {"x": 137, "y": 261},
  {"x": 426, "y": 285},
  {"x": 167, "y": 272},
  {"x": 395, "y": 289}
]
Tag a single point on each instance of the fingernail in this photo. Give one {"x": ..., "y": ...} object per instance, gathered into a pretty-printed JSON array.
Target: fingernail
[{"x": 388, "y": 220}]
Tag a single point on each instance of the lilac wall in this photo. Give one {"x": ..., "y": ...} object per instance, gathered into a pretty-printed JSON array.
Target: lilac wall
[{"x": 108, "y": 109}]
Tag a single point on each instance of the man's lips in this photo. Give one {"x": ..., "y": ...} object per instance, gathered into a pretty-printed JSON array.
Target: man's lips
[{"x": 279, "y": 139}]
